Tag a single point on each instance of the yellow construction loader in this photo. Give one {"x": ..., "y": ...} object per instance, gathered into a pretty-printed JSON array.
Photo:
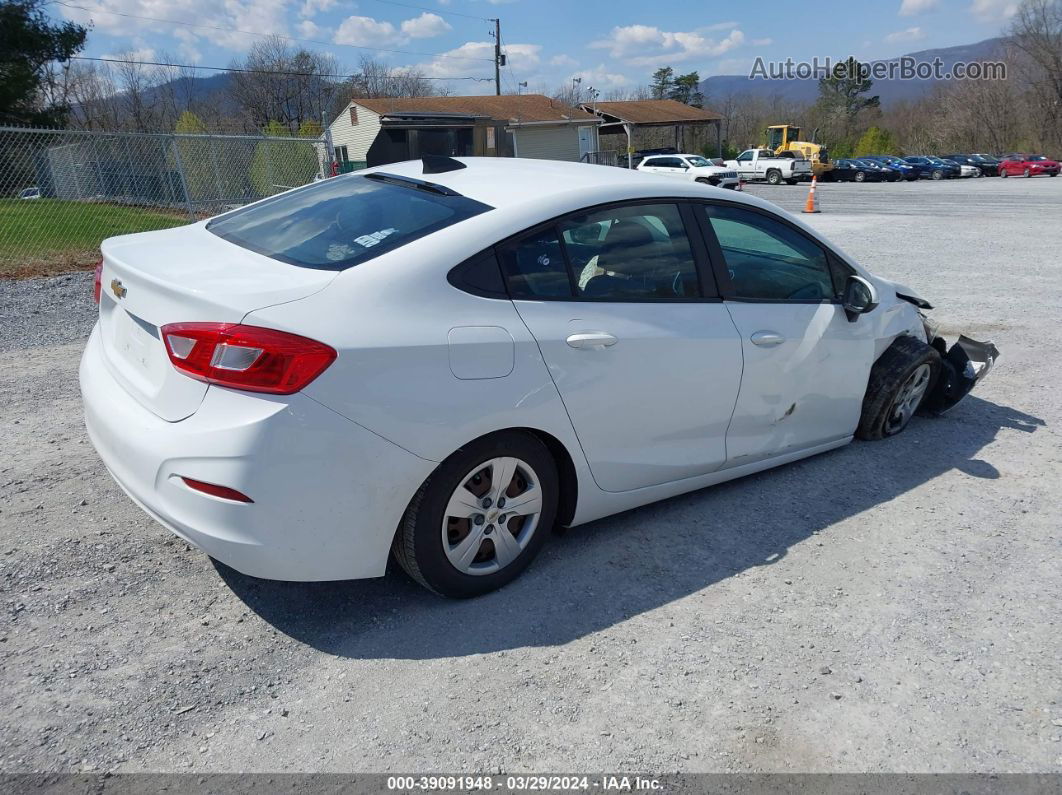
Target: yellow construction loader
[{"x": 783, "y": 138}]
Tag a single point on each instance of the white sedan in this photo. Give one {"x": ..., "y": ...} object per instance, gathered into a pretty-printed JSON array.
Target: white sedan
[
  {"x": 693, "y": 168},
  {"x": 442, "y": 360}
]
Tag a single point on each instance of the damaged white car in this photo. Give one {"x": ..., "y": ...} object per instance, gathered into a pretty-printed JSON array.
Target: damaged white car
[{"x": 441, "y": 360}]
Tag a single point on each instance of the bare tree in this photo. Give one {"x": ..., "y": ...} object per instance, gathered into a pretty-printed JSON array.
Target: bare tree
[
  {"x": 1036, "y": 35},
  {"x": 282, "y": 84}
]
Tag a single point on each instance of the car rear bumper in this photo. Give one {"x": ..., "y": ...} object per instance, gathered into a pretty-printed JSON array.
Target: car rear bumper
[{"x": 328, "y": 494}]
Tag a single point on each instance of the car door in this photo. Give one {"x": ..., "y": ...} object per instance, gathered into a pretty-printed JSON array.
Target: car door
[
  {"x": 805, "y": 365},
  {"x": 671, "y": 166},
  {"x": 643, "y": 353},
  {"x": 746, "y": 165}
]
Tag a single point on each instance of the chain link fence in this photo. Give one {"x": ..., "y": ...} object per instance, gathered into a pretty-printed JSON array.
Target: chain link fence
[{"x": 62, "y": 192}]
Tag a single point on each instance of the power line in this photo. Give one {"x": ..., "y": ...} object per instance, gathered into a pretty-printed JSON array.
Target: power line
[
  {"x": 252, "y": 71},
  {"x": 436, "y": 10},
  {"x": 266, "y": 35}
]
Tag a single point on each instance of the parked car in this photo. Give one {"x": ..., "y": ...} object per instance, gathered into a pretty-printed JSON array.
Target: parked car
[
  {"x": 753, "y": 164},
  {"x": 30, "y": 193},
  {"x": 420, "y": 347},
  {"x": 951, "y": 170},
  {"x": 1028, "y": 166},
  {"x": 905, "y": 170},
  {"x": 927, "y": 168},
  {"x": 691, "y": 167},
  {"x": 971, "y": 167},
  {"x": 888, "y": 174},
  {"x": 989, "y": 164},
  {"x": 847, "y": 170},
  {"x": 965, "y": 170}
]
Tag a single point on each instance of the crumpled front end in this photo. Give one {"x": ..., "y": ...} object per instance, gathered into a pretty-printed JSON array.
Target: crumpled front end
[{"x": 963, "y": 365}]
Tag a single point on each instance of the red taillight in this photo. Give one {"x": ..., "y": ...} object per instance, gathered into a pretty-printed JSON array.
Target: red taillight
[
  {"x": 97, "y": 281},
  {"x": 246, "y": 357},
  {"x": 215, "y": 490}
]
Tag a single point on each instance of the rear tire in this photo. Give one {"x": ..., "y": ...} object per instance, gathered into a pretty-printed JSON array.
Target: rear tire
[
  {"x": 774, "y": 177},
  {"x": 448, "y": 539},
  {"x": 899, "y": 382},
  {"x": 1026, "y": 173},
  {"x": 860, "y": 176}
]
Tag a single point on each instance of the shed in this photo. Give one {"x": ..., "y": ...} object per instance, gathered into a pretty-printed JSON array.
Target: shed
[
  {"x": 388, "y": 130},
  {"x": 670, "y": 122}
]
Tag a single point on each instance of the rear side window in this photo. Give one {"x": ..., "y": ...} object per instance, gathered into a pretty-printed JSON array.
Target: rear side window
[
  {"x": 340, "y": 222},
  {"x": 534, "y": 266}
]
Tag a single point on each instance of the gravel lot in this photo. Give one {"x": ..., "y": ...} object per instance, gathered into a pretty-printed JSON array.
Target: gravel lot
[{"x": 886, "y": 607}]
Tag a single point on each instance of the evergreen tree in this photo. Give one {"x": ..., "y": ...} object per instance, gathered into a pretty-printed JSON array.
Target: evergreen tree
[
  {"x": 29, "y": 44},
  {"x": 686, "y": 89},
  {"x": 663, "y": 83}
]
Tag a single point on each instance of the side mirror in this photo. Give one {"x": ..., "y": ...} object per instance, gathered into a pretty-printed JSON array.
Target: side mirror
[{"x": 859, "y": 297}]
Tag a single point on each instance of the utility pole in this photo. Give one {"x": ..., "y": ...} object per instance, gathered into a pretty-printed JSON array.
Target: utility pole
[{"x": 497, "y": 57}]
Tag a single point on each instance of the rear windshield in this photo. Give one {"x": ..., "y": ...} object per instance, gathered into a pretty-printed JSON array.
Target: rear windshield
[{"x": 340, "y": 222}]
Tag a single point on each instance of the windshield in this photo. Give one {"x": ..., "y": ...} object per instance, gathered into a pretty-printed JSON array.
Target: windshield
[
  {"x": 340, "y": 222},
  {"x": 698, "y": 161}
]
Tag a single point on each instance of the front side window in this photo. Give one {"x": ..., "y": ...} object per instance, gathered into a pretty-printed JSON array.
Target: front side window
[
  {"x": 340, "y": 222},
  {"x": 635, "y": 252},
  {"x": 745, "y": 156},
  {"x": 769, "y": 260}
]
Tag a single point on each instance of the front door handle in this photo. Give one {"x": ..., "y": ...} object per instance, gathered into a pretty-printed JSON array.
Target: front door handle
[
  {"x": 767, "y": 339},
  {"x": 591, "y": 339}
]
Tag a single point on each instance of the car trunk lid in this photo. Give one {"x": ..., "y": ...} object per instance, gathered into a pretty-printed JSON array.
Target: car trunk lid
[{"x": 186, "y": 274}]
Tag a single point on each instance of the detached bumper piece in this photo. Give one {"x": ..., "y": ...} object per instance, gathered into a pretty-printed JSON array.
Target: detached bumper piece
[{"x": 962, "y": 366}]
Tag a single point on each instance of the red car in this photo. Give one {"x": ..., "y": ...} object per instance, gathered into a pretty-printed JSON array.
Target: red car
[{"x": 1028, "y": 166}]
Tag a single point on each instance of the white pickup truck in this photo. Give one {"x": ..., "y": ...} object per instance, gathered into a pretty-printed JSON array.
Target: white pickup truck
[
  {"x": 692, "y": 167},
  {"x": 764, "y": 164}
]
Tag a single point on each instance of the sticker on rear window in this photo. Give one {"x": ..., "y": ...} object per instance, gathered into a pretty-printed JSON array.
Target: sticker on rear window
[{"x": 371, "y": 239}]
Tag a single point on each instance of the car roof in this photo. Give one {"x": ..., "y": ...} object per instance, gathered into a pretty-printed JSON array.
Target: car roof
[{"x": 516, "y": 183}]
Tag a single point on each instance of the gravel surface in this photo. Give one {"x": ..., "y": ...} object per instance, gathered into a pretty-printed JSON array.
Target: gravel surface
[{"x": 890, "y": 606}]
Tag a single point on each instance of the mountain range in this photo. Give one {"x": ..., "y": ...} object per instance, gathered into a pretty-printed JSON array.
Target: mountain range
[{"x": 889, "y": 90}]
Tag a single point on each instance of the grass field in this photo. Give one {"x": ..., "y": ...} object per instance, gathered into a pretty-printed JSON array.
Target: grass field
[{"x": 47, "y": 236}]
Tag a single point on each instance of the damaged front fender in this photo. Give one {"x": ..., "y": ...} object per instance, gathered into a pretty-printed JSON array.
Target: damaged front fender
[{"x": 962, "y": 366}]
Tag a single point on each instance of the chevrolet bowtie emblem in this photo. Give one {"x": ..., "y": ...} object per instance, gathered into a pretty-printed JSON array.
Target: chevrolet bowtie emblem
[{"x": 117, "y": 289}]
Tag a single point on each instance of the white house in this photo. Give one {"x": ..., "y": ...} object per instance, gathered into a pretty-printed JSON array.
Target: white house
[{"x": 388, "y": 130}]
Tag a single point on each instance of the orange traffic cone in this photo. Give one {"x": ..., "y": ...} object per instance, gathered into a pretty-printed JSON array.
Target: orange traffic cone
[{"x": 812, "y": 205}]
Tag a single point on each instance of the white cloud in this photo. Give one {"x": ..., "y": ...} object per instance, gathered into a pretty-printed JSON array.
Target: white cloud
[
  {"x": 309, "y": 29},
  {"x": 910, "y": 34},
  {"x": 312, "y": 8},
  {"x": 224, "y": 18},
  {"x": 140, "y": 54},
  {"x": 188, "y": 48},
  {"x": 366, "y": 32},
  {"x": 641, "y": 45},
  {"x": 908, "y": 8},
  {"x": 762, "y": 42},
  {"x": 425, "y": 26},
  {"x": 602, "y": 79},
  {"x": 472, "y": 59},
  {"x": 563, "y": 60},
  {"x": 993, "y": 10}
]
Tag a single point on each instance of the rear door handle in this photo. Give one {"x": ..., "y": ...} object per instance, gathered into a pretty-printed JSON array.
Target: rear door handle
[
  {"x": 591, "y": 339},
  {"x": 767, "y": 339}
]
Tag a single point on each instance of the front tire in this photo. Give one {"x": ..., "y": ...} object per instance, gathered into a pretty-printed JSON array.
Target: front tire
[
  {"x": 1026, "y": 173},
  {"x": 481, "y": 517},
  {"x": 938, "y": 174},
  {"x": 860, "y": 176},
  {"x": 899, "y": 382},
  {"x": 1002, "y": 172}
]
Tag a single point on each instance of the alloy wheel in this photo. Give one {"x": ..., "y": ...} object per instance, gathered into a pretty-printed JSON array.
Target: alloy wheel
[
  {"x": 908, "y": 399},
  {"x": 491, "y": 516}
]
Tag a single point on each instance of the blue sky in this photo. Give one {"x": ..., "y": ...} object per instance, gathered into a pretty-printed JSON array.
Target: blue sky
[{"x": 613, "y": 45}]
